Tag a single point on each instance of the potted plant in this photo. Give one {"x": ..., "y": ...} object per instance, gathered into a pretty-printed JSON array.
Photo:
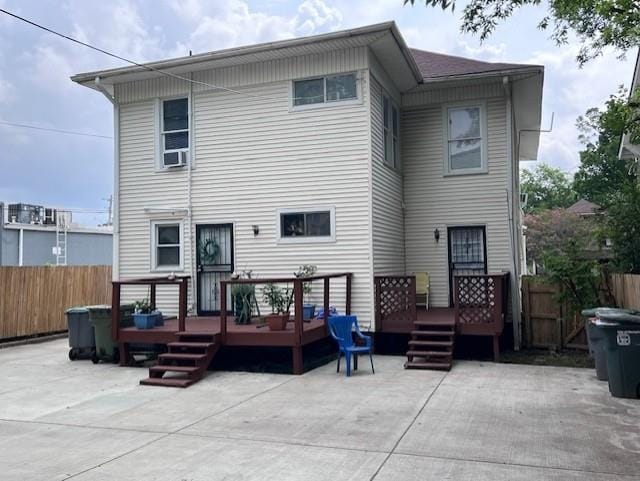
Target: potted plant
[
  {"x": 144, "y": 317},
  {"x": 308, "y": 309},
  {"x": 244, "y": 296},
  {"x": 279, "y": 301}
]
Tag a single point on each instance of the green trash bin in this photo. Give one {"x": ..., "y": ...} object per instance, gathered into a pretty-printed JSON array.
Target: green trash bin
[
  {"x": 106, "y": 347},
  {"x": 81, "y": 339},
  {"x": 622, "y": 346}
]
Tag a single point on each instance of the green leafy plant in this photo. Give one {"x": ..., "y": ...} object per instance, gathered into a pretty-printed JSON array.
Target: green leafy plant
[
  {"x": 306, "y": 270},
  {"x": 244, "y": 299},
  {"x": 277, "y": 298},
  {"x": 143, "y": 306}
]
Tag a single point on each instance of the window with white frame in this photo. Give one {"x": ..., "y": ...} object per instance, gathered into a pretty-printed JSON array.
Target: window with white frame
[
  {"x": 466, "y": 139},
  {"x": 174, "y": 132},
  {"x": 311, "y": 224},
  {"x": 391, "y": 132},
  {"x": 322, "y": 90},
  {"x": 166, "y": 245}
]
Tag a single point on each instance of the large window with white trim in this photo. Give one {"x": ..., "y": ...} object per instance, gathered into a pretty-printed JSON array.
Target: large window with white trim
[
  {"x": 466, "y": 139},
  {"x": 391, "y": 132},
  {"x": 324, "y": 90},
  {"x": 174, "y": 132},
  {"x": 166, "y": 245}
]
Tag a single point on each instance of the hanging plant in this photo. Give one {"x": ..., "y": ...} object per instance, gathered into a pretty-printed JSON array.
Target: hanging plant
[{"x": 208, "y": 251}]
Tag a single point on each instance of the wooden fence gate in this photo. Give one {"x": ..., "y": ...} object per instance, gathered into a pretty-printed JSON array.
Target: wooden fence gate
[{"x": 547, "y": 322}]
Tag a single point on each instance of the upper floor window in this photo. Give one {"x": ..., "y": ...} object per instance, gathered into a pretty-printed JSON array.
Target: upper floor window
[
  {"x": 174, "y": 132},
  {"x": 391, "y": 132},
  {"x": 466, "y": 139},
  {"x": 335, "y": 88}
]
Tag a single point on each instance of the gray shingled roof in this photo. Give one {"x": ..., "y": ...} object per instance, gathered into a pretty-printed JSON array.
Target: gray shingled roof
[{"x": 435, "y": 65}]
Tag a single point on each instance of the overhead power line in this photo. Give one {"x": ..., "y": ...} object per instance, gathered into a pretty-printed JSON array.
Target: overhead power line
[
  {"x": 60, "y": 131},
  {"x": 137, "y": 64}
]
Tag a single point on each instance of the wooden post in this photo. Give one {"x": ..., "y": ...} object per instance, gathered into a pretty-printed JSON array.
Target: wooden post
[
  {"x": 326, "y": 306},
  {"x": 377, "y": 311},
  {"x": 223, "y": 311},
  {"x": 297, "y": 302},
  {"x": 412, "y": 299},
  {"x": 182, "y": 308},
  {"x": 298, "y": 363},
  {"x": 152, "y": 299},
  {"x": 347, "y": 308},
  {"x": 115, "y": 309}
]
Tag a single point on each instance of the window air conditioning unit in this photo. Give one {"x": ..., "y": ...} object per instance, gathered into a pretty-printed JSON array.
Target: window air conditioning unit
[{"x": 176, "y": 159}]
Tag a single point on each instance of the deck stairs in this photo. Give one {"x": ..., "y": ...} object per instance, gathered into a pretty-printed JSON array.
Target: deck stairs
[
  {"x": 185, "y": 363},
  {"x": 431, "y": 345}
]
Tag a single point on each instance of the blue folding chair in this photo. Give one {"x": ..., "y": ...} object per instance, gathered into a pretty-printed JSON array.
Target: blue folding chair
[{"x": 342, "y": 329}]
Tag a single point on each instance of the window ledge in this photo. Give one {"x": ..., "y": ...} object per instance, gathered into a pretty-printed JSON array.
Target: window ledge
[
  {"x": 463, "y": 172},
  {"x": 325, "y": 105},
  {"x": 306, "y": 240}
]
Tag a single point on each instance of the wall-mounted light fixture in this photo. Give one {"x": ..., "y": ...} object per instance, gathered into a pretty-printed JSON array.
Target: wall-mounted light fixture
[
  {"x": 256, "y": 229},
  {"x": 436, "y": 235}
]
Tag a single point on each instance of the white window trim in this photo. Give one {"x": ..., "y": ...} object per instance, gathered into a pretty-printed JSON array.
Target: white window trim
[
  {"x": 396, "y": 166},
  {"x": 484, "y": 167},
  {"x": 160, "y": 132},
  {"x": 304, "y": 239},
  {"x": 153, "y": 246},
  {"x": 326, "y": 103}
]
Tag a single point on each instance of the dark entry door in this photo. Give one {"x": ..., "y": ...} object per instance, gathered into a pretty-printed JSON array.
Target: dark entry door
[
  {"x": 467, "y": 253},
  {"x": 214, "y": 257}
]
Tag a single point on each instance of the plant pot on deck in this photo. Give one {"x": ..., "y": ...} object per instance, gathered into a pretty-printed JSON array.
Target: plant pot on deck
[
  {"x": 308, "y": 311},
  {"x": 277, "y": 322},
  {"x": 147, "y": 321}
]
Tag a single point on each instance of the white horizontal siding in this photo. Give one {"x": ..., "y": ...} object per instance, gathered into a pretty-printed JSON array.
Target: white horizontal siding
[
  {"x": 256, "y": 73},
  {"x": 388, "y": 225},
  {"x": 437, "y": 202}
]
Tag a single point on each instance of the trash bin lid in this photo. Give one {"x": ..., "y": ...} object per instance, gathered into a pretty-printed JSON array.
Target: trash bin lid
[
  {"x": 99, "y": 307},
  {"x": 592, "y": 312},
  {"x": 618, "y": 316},
  {"x": 77, "y": 310}
]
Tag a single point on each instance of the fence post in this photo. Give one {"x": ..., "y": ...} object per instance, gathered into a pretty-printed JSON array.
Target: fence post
[{"x": 223, "y": 311}]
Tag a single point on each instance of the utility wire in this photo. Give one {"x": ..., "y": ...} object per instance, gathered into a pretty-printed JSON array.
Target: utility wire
[
  {"x": 34, "y": 127},
  {"x": 137, "y": 64}
]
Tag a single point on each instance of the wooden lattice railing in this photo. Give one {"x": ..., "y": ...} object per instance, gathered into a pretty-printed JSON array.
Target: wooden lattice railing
[
  {"x": 480, "y": 302},
  {"x": 395, "y": 299}
]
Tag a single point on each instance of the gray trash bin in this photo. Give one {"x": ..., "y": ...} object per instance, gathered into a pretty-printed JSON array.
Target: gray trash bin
[{"x": 82, "y": 341}]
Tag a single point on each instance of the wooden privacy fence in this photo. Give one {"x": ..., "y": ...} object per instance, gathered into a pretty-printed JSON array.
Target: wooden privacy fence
[
  {"x": 626, "y": 290},
  {"x": 33, "y": 299},
  {"x": 548, "y": 323}
]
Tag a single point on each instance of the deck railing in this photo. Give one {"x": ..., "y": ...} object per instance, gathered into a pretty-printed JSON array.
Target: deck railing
[
  {"x": 395, "y": 299},
  {"x": 298, "y": 294},
  {"x": 480, "y": 302},
  {"x": 181, "y": 282}
]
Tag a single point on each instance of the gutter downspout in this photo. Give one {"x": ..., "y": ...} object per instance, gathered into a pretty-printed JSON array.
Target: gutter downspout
[
  {"x": 513, "y": 250},
  {"x": 115, "y": 268},
  {"x": 192, "y": 152}
]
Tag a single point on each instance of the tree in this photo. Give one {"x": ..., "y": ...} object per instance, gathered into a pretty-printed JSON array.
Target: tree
[
  {"x": 601, "y": 173},
  {"x": 547, "y": 188},
  {"x": 597, "y": 23},
  {"x": 623, "y": 222}
]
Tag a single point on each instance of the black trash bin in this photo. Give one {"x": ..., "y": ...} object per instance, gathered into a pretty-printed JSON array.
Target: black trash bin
[
  {"x": 622, "y": 347},
  {"x": 82, "y": 341}
]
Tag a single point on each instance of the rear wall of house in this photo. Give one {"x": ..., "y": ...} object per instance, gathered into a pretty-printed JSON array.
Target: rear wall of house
[
  {"x": 435, "y": 201},
  {"x": 254, "y": 156}
]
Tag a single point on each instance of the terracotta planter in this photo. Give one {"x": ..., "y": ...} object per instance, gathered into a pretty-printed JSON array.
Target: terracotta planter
[{"x": 277, "y": 322}]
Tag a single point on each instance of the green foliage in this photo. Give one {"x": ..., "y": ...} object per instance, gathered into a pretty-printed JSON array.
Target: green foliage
[
  {"x": 601, "y": 172},
  {"x": 244, "y": 298},
  {"x": 623, "y": 221},
  {"x": 142, "y": 306},
  {"x": 597, "y": 23},
  {"x": 306, "y": 270},
  {"x": 278, "y": 299},
  {"x": 547, "y": 188}
]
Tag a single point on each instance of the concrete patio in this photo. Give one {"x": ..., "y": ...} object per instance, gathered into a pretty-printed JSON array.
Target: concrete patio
[{"x": 481, "y": 421}]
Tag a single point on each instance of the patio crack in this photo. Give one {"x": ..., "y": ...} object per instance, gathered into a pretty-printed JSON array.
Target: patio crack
[{"x": 404, "y": 433}]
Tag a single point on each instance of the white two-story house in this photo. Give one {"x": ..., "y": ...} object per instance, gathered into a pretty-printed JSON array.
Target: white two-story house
[{"x": 347, "y": 150}]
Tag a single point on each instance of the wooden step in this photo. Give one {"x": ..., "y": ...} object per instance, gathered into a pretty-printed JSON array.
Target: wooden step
[
  {"x": 196, "y": 334},
  {"x": 190, "y": 344},
  {"x": 443, "y": 366},
  {"x": 428, "y": 333},
  {"x": 179, "y": 356},
  {"x": 167, "y": 382},
  {"x": 415, "y": 342},
  {"x": 434, "y": 323},
  {"x": 167, "y": 368},
  {"x": 429, "y": 353}
]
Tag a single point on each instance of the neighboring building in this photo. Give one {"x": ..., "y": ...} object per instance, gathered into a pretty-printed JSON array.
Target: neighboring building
[
  {"x": 628, "y": 150},
  {"x": 347, "y": 150},
  {"x": 584, "y": 208},
  {"x": 28, "y": 238}
]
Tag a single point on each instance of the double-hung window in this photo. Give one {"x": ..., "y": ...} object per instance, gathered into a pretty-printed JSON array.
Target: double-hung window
[
  {"x": 391, "y": 132},
  {"x": 166, "y": 245},
  {"x": 325, "y": 90},
  {"x": 466, "y": 139},
  {"x": 174, "y": 132}
]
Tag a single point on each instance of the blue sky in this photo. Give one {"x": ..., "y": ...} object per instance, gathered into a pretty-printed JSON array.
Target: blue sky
[{"x": 73, "y": 171}]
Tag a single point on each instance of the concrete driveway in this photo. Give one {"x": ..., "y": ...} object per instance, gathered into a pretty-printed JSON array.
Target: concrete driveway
[{"x": 481, "y": 421}]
